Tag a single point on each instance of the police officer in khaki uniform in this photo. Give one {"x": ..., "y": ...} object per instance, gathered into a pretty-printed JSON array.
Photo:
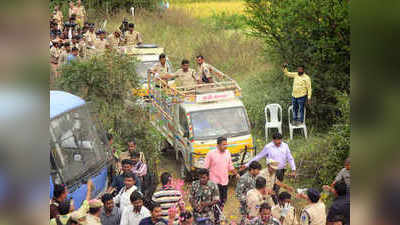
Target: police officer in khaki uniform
[
  {"x": 78, "y": 217},
  {"x": 58, "y": 16},
  {"x": 269, "y": 173},
  {"x": 93, "y": 217},
  {"x": 314, "y": 213},
  {"x": 184, "y": 77},
  {"x": 55, "y": 53},
  {"x": 101, "y": 42},
  {"x": 114, "y": 39},
  {"x": 64, "y": 53},
  {"x": 255, "y": 197},
  {"x": 284, "y": 211},
  {"x": 132, "y": 37},
  {"x": 80, "y": 13},
  {"x": 90, "y": 35},
  {"x": 265, "y": 217},
  {"x": 160, "y": 67}
]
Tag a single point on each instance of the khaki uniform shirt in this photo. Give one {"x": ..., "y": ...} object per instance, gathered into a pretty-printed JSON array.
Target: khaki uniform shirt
[
  {"x": 254, "y": 199},
  {"x": 92, "y": 220},
  {"x": 63, "y": 57},
  {"x": 112, "y": 41},
  {"x": 133, "y": 39},
  {"x": 185, "y": 78},
  {"x": 54, "y": 55},
  {"x": 90, "y": 38},
  {"x": 204, "y": 70},
  {"x": 80, "y": 12},
  {"x": 160, "y": 69},
  {"x": 314, "y": 214},
  {"x": 271, "y": 180},
  {"x": 259, "y": 221},
  {"x": 290, "y": 219},
  {"x": 100, "y": 44},
  {"x": 59, "y": 17}
]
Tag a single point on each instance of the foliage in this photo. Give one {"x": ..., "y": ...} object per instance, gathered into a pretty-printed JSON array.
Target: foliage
[
  {"x": 227, "y": 21},
  {"x": 106, "y": 81},
  {"x": 315, "y": 33}
]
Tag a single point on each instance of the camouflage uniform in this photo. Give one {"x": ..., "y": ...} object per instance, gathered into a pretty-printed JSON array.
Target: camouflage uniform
[
  {"x": 246, "y": 183},
  {"x": 258, "y": 221},
  {"x": 203, "y": 193}
]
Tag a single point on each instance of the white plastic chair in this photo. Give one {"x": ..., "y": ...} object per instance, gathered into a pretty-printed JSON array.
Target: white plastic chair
[
  {"x": 273, "y": 119},
  {"x": 292, "y": 126}
]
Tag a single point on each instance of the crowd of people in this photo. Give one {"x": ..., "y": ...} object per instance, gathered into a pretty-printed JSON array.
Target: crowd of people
[
  {"x": 76, "y": 38},
  {"x": 258, "y": 190}
]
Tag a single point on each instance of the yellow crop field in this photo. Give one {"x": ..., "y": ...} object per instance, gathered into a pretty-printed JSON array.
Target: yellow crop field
[{"x": 207, "y": 9}]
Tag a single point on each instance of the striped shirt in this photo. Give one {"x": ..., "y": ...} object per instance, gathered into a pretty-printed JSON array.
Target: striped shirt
[{"x": 168, "y": 197}]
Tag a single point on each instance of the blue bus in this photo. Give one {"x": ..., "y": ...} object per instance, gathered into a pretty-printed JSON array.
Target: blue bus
[{"x": 78, "y": 151}]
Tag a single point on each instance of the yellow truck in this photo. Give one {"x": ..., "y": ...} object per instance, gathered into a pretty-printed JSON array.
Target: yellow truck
[{"x": 192, "y": 118}]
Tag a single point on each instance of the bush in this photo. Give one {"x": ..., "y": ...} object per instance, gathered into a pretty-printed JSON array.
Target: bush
[
  {"x": 315, "y": 33},
  {"x": 106, "y": 81},
  {"x": 227, "y": 21}
]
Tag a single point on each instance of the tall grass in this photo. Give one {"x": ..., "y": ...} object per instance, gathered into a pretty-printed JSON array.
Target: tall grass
[{"x": 206, "y": 9}]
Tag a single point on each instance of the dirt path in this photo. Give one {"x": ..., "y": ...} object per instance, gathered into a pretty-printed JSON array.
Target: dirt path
[{"x": 169, "y": 164}]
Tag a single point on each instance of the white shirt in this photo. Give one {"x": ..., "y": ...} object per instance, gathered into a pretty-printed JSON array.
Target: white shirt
[
  {"x": 123, "y": 197},
  {"x": 129, "y": 217}
]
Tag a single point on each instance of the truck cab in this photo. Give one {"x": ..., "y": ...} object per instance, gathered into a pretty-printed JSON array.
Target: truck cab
[{"x": 192, "y": 120}]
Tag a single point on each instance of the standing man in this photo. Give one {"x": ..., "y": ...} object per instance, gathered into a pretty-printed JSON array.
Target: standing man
[
  {"x": 135, "y": 212},
  {"x": 139, "y": 168},
  {"x": 301, "y": 92},
  {"x": 314, "y": 213},
  {"x": 219, "y": 162},
  {"x": 101, "y": 42},
  {"x": 341, "y": 205},
  {"x": 284, "y": 211},
  {"x": 90, "y": 36},
  {"x": 203, "y": 196},
  {"x": 184, "y": 77},
  {"x": 246, "y": 183},
  {"x": 123, "y": 197},
  {"x": 93, "y": 217},
  {"x": 160, "y": 67},
  {"x": 265, "y": 217},
  {"x": 279, "y": 151},
  {"x": 110, "y": 215},
  {"x": 80, "y": 14},
  {"x": 132, "y": 37},
  {"x": 204, "y": 71},
  {"x": 114, "y": 39},
  {"x": 168, "y": 197},
  {"x": 59, "y": 195}
]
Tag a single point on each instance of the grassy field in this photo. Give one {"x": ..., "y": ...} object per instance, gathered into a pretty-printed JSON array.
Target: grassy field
[{"x": 206, "y": 9}]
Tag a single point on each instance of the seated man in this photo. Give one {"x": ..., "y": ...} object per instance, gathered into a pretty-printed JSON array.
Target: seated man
[{"x": 184, "y": 77}]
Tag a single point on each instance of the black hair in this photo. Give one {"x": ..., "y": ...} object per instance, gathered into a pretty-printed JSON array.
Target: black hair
[
  {"x": 94, "y": 210},
  {"x": 109, "y": 136},
  {"x": 165, "y": 178},
  {"x": 265, "y": 206},
  {"x": 302, "y": 66},
  {"x": 313, "y": 195},
  {"x": 132, "y": 140},
  {"x": 136, "y": 196},
  {"x": 203, "y": 171},
  {"x": 221, "y": 139},
  {"x": 200, "y": 56},
  {"x": 261, "y": 182},
  {"x": 185, "y": 61},
  {"x": 162, "y": 56},
  {"x": 129, "y": 175},
  {"x": 284, "y": 195},
  {"x": 131, "y": 25},
  {"x": 106, "y": 197},
  {"x": 126, "y": 161},
  {"x": 340, "y": 188},
  {"x": 64, "y": 207},
  {"x": 154, "y": 205},
  {"x": 277, "y": 136},
  {"x": 338, "y": 218},
  {"x": 255, "y": 165},
  {"x": 74, "y": 49},
  {"x": 67, "y": 44},
  {"x": 59, "y": 189}
]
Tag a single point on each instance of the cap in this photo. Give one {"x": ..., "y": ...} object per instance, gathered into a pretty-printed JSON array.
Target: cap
[
  {"x": 95, "y": 203},
  {"x": 313, "y": 195},
  {"x": 78, "y": 216},
  {"x": 273, "y": 164}
]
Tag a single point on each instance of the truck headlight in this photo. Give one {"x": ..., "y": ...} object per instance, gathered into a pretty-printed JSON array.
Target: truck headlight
[{"x": 198, "y": 162}]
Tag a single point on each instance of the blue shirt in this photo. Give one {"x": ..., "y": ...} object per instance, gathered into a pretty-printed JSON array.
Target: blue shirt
[{"x": 70, "y": 58}]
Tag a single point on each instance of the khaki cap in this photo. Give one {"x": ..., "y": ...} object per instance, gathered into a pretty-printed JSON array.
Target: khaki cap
[
  {"x": 95, "y": 203},
  {"x": 79, "y": 216}
]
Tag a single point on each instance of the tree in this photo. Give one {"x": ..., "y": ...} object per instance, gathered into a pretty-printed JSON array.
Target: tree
[{"x": 315, "y": 33}]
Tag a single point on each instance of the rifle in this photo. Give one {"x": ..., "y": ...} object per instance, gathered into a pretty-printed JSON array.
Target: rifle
[{"x": 242, "y": 160}]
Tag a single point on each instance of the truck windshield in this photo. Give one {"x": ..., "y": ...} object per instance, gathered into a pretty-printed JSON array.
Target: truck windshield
[
  {"x": 76, "y": 145},
  {"x": 219, "y": 122}
]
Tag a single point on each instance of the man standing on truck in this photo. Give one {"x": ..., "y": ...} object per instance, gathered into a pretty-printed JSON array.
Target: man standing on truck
[
  {"x": 160, "y": 67},
  {"x": 219, "y": 162},
  {"x": 132, "y": 37},
  {"x": 203, "y": 71},
  {"x": 184, "y": 77}
]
